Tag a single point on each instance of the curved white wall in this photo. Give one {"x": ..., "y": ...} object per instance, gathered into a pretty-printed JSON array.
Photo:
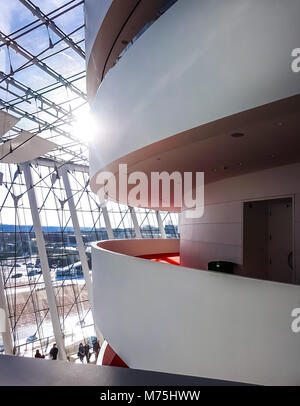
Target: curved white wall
[
  {"x": 95, "y": 12},
  {"x": 200, "y": 61},
  {"x": 218, "y": 235},
  {"x": 142, "y": 246},
  {"x": 168, "y": 318}
]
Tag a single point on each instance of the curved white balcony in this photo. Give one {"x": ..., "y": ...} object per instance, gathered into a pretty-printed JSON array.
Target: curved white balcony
[
  {"x": 95, "y": 13},
  {"x": 111, "y": 27},
  {"x": 203, "y": 71},
  {"x": 200, "y": 72},
  {"x": 170, "y": 318}
]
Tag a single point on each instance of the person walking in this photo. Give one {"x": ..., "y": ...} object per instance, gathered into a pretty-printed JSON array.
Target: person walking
[
  {"x": 54, "y": 352},
  {"x": 96, "y": 349},
  {"x": 87, "y": 352},
  {"x": 81, "y": 352}
]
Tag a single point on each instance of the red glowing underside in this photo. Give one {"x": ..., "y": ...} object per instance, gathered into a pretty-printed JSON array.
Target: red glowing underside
[{"x": 172, "y": 258}]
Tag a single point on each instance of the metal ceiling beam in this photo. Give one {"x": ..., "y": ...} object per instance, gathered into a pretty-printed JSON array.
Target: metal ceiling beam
[
  {"x": 45, "y": 124},
  {"x": 48, "y": 15},
  {"x": 34, "y": 94},
  {"x": 28, "y": 64},
  {"x": 39, "y": 121},
  {"x": 59, "y": 113},
  {"x": 47, "y": 89},
  {"x": 52, "y": 163},
  {"x": 36, "y": 11},
  {"x": 42, "y": 65}
]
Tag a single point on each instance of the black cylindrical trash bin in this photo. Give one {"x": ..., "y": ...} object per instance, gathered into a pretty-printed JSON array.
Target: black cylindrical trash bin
[{"x": 221, "y": 266}]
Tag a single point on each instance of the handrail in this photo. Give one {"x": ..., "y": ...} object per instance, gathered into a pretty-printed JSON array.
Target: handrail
[{"x": 117, "y": 37}]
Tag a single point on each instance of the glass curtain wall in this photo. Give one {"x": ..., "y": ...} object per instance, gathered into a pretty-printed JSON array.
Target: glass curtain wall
[
  {"x": 20, "y": 266},
  {"x": 170, "y": 223}
]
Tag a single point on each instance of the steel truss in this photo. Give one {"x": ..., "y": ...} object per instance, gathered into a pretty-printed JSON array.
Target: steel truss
[
  {"x": 53, "y": 187},
  {"x": 51, "y": 24},
  {"x": 61, "y": 184},
  {"x": 59, "y": 116}
]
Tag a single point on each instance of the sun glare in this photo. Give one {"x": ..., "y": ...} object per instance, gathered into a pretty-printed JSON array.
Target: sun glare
[{"x": 85, "y": 126}]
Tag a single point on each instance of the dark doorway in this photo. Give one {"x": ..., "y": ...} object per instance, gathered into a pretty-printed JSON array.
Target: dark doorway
[{"x": 268, "y": 240}]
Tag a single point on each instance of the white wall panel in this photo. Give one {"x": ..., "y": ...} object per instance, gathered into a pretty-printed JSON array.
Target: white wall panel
[
  {"x": 197, "y": 255},
  {"x": 231, "y": 213},
  {"x": 263, "y": 185},
  {"x": 214, "y": 233}
]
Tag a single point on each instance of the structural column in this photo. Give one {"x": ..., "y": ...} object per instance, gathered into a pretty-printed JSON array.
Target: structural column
[
  {"x": 109, "y": 230},
  {"x": 6, "y": 335},
  {"x": 79, "y": 241},
  {"x": 44, "y": 264},
  {"x": 135, "y": 223},
  {"x": 160, "y": 224}
]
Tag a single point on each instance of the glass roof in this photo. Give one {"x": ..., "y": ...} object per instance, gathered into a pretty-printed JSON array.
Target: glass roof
[{"x": 42, "y": 73}]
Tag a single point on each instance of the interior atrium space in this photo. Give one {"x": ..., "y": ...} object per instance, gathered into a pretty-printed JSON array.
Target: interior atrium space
[
  {"x": 43, "y": 96},
  {"x": 149, "y": 193}
]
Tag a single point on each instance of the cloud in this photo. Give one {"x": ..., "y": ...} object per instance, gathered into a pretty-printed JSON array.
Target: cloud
[{"x": 67, "y": 56}]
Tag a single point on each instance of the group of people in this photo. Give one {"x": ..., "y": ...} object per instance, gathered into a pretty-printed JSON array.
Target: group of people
[
  {"x": 83, "y": 351},
  {"x": 53, "y": 353}
]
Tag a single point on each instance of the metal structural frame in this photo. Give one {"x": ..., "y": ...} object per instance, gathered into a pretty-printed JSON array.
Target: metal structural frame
[
  {"x": 70, "y": 155},
  {"x": 44, "y": 263},
  {"x": 58, "y": 115}
]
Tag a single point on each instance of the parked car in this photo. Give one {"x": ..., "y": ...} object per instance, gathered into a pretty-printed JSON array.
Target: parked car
[
  {"x": 34, "y": 272},
  {"x": 31, "y": 339},
  {"x": 63, "y": 274},
  {"x": 77, "y": 270},
  {"x": 73, "y": 271},
  {"x": 17, "y": 275}
]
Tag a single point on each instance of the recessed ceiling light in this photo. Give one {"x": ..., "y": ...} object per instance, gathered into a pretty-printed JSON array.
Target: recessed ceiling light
[{"x": 237, "y": 135}]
